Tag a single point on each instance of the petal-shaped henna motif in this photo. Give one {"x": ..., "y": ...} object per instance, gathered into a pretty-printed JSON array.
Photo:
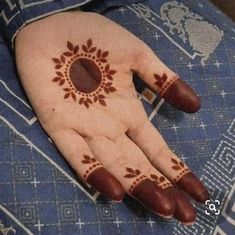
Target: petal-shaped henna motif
[
  {"x": 85, "y": 74},
  {"x": 76, "y": 49},
  {"x": 58, "y": 66},
  {"x": 56, "y": 79},
  {"x": 67, "y": 53},
  {"x": 105, "y": 54},
  {"x": 57, "y": 61},
  {"x": 89, "y": 43},
  {"x": 70, "y": 46}
]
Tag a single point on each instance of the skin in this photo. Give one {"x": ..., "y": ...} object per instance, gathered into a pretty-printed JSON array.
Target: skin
[{"x": 76, "y": 69}]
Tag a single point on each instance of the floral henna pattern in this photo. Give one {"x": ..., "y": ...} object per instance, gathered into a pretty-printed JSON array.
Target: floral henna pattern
[
  {"x": 180, "y": 167},
  {"x": 94, "y": 164},
  {"x": 84, "y": 74},
  {"x": 131, "y": 173},
  {"x": 161, "y": 181},
  {"x": 163, "y": 83}
]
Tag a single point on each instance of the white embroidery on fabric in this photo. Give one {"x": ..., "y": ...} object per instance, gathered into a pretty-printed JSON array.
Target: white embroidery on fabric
[
  {"x": 203, "y": 37},
  {"x": 6, "y": 230}
]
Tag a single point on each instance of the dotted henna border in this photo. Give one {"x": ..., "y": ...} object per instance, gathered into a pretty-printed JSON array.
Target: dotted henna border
[
  {"x": 92, "y": 168},
  {"x": 136, "y": 182},
  {"x": 167, "y": 85},
  {"x": 183, "y": 172},
  {"x": 98, "y": 64},
  {"x": 165, "y": 185}
]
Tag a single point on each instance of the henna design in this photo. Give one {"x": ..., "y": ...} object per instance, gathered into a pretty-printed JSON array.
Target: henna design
[
  {"x": 179, "y": 166},
  {"x": 131, "y": 173},
  {"x": 160, "y": 80},
  {"x": 85, "y": 74},
  {"x": 161, "y": 181},
  {"x": 88, "y": 160},
  {"x": 163, "y": 83}
]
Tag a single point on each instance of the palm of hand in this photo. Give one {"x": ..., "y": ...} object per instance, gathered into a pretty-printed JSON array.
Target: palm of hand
[{"x": 80, "y": 85}]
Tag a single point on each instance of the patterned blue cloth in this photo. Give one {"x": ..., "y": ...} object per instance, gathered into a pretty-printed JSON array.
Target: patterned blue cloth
[
  {"x": 39, "y": 192},
  {"x": 16, "y": 13}
]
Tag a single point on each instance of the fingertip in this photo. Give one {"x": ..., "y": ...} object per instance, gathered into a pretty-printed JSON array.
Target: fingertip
[
  {"x": 106, "y": 184},
  {"x": 203, "y": 196},
  {"x": 181, "y": 96},
  {"x": 194, "y": 187},
  {"x": 153, "y": 197},
  {"x": 184, "y": 211}
]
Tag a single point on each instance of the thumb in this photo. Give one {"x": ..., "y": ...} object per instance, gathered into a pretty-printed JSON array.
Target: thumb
[{"x": 165, "y": 82}]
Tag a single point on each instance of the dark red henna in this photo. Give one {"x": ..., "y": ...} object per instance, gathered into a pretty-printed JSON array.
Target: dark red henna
[
  {"x": 92, "y": 163},
  {"x": 106, "y": 183},
  {"x": 194, "y": 187},
  {"x": 131, "y": 173},
  {"x": 184, "y": 211},
  {"x": 180, "y": 95},
  {"x": 160, "y": 80},
  {"x": 163, "y": 82},
  {"x": 85, "y": 74},
  {"x": 153, "y": 197},
  {"x": 161, "y": 181},
  {"x": 179, "y": 166}
]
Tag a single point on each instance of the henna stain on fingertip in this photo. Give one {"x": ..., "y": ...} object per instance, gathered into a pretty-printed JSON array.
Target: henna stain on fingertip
[
  {"x": 85, "y": 74},
  {"x": 104, "y": 182}
]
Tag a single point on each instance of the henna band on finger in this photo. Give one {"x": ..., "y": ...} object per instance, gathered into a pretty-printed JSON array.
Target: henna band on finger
[
  {"x": 149, "y": 194},
  {"x": 102, "y": 180},
  {"x": 176, "y": 92}
]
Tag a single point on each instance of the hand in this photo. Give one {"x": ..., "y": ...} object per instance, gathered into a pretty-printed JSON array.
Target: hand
[{"x": 77, "y": 69}]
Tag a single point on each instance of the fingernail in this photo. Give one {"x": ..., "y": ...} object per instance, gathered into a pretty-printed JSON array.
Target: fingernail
[
  {"x": 106, "y": 183},
  {"x": 153, "y": 197},
  {"x": 184, "y": 211},
  {"x": 194, "y": 187},
  {"x": 180, "y": 95}
]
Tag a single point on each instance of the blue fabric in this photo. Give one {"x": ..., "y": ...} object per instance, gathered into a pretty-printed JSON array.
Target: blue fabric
[
  {"x": 14, "y": 14},
  {"x": 39, "y": 192}
]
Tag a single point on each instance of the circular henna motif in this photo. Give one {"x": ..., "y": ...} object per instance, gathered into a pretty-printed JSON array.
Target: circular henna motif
[{"x": 84, "y": 74}]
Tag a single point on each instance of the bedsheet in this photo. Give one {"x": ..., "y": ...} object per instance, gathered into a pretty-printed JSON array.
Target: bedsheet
[{"x": 41, "y": 194}]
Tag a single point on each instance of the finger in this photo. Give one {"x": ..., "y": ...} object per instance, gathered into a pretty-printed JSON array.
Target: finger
[
  {"x": 184, "y": 211},
  {"x": 129, "y": 165},
  {"x": 157, "y": 151},
  {"x": 165, "y": 82},
  {"x": 78, "y": 154}
]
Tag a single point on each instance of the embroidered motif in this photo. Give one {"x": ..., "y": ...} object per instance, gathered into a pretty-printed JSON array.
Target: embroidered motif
[
  {"x": 203, "y": 37},
  {"x": 85, "y": 74},
  {"x": 6, "y": 230}
]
